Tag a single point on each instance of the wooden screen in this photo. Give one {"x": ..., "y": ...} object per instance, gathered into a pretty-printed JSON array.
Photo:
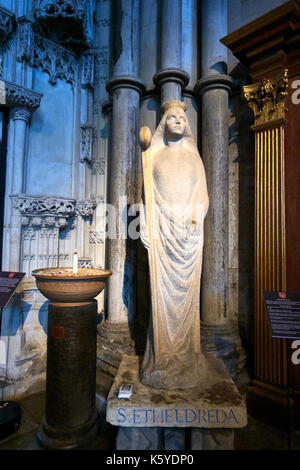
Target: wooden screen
[{"x": 267, "y": 99}]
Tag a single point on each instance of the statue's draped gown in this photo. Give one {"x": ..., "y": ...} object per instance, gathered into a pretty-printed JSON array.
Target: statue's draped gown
[{"x": 173, "y": 354}]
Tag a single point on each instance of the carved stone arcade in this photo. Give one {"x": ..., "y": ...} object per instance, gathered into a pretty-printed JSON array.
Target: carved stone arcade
[
  {"x": 39, "y": 46},
  {"x": 57, "y": 61},
  {"x": 46, "y": 224},
  {"x": 43, "y": 231}
]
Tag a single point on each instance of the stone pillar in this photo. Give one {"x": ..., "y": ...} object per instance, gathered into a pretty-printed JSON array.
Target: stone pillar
[
  {"x": 123, "y": 193},
  {"x": 214, "y": 93},
  {"x": 171, "y": 79},
  {"x": 125, "y": 88},
  {"x": 219, "y": 335},
  {"x": 21, "y": 119},
  {"x": 213, "y": 87}
]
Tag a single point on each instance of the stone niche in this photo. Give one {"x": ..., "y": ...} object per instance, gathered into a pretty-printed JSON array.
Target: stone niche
[{"x": 68, "y": 22}]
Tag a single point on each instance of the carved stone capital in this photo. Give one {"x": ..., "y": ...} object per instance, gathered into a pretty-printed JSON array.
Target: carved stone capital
[
  {"x": 7, "y": 24},
  {"x": 171, "y": 75},
  {"x": 15, "y": 95},
  {"x": 213, "y": 82},
  {"x": 44, "y": 222},
  {"x": 85, "y": 208},
  {"x": 98, "y": 167},
  {"x": 85, "y": 263},
  {"x": 96, "y": 238},
  {"x": 22, "y": 115},
  {"x": 43, "y": 211},
  {"x": 37, "y": 206},
  {"x": 267, "y": 99},
  {"x": 126, "y": 81}
]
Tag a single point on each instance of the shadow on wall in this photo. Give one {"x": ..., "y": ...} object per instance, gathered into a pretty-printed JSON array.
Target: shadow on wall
[
  {"x": 129, "y": 280},
  {"x": 15, "y": 315},
  {"x": 43, "y": 315},
  {"x": 241, "y": 135},
  {"x": 220, "y": 67},
  {"x": 143, "y": 299}
]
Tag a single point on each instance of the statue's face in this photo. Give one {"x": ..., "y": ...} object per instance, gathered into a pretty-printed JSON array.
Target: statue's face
[{"x": 175, "y": 122}]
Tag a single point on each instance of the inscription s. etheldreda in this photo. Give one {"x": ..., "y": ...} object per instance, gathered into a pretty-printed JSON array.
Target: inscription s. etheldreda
[{"x": 158, "y": 417}]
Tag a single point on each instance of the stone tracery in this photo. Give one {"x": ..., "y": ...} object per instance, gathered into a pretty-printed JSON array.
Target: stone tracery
[
  {"x": 7, "y": 24},
  {"x": 67, "y": 21}
]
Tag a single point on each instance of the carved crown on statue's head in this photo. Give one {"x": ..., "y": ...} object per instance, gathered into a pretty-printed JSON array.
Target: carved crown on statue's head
[{"x": 170, "y": 104}]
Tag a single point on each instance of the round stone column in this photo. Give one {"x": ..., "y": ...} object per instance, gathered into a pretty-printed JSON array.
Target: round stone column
[
  {"x": 214, "y": 98},
  {"x": 219, "y": 334},
  {"x": 125, "y": 88},
  {"x": 171, "y": 79},
  {"x": 117, "y": 331},
  {"x": 125, "y": 91},
  {"x": 21, "y": 118},
  {"x": 213, "y": 88}
]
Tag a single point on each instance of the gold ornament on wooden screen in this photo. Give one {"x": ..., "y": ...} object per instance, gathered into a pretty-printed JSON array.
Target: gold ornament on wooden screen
[{"x": 267, "y": 99}]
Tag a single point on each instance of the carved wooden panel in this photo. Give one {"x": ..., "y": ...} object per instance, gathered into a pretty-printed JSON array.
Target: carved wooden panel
[
  {"x": 268, "y": 101},
  {"x": 270, "y": 257}
]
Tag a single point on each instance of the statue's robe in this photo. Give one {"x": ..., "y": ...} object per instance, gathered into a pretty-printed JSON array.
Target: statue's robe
[{"x": 173, "y": 356}]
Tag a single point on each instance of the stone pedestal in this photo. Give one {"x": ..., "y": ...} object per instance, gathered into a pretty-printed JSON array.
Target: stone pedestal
[
  {"x": 114, "y": 341},
  {"x": 70, "y": 416},
  {"x": 159, "y": 419}
]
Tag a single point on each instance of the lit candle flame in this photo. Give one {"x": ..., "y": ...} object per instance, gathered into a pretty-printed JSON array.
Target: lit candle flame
[{"x": 75, "y": 262}]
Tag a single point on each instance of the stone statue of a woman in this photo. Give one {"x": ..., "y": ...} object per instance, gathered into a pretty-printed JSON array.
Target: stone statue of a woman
[{"x": 176, "y": 202}]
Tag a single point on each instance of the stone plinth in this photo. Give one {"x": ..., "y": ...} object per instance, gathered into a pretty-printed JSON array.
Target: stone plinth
[
  {"x": 215, "y": 403},
  {"x": 70, "y": 416}
]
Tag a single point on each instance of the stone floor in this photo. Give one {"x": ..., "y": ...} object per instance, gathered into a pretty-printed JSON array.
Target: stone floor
[
  {"x": 256, "y": 436},
  {"x": 32, "y": 414}
]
